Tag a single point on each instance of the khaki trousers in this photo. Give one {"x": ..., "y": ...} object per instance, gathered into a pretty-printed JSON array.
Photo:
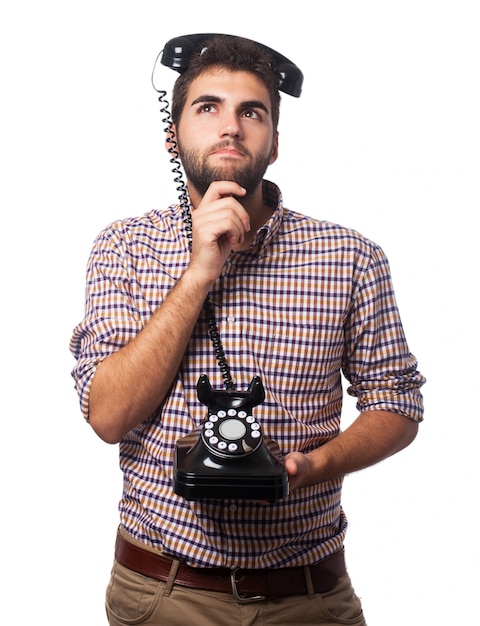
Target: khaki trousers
[{"x": 135, "y": 599}]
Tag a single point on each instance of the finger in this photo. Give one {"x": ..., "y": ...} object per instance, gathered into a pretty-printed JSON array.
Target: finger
[
  {"x": 291, "y": 466},
  {"x": 223, "y": 188},
  {"x": 221, "y": 221},
  {"x": 222, "y": 217}
]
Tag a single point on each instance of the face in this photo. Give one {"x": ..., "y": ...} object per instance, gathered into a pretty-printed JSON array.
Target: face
[{"x": 225, "y": 131}]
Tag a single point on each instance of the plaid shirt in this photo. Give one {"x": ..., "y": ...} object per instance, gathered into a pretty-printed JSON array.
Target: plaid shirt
[{"x": 307, "y": 301}]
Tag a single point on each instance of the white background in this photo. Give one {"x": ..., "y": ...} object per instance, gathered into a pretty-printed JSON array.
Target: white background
[{"x": 385, "y": 139}]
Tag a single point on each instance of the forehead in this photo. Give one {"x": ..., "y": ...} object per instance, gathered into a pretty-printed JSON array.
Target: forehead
[{"x": 227, "y": 85}]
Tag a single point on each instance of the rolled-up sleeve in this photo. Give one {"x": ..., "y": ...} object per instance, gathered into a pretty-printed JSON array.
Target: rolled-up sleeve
[
  {"x": 377, "y": 362},
  {"x": 111, "y": 317}
]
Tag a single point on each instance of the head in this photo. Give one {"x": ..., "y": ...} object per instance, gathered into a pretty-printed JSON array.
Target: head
[
  {"x": 234, "y": 54},
  {"x": 226, "y": 131}
]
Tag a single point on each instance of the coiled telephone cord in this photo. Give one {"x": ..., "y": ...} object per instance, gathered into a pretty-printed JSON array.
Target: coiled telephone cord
[{"x": 208, "y": 306}]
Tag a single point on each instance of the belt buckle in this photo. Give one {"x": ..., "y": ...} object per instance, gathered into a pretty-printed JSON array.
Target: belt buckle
[{"x": 236, "y": 594}]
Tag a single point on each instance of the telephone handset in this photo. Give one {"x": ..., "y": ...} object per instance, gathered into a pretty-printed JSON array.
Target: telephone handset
[
  {"x": 178, "y": 51},
  {"x": 228, "y": 456}
]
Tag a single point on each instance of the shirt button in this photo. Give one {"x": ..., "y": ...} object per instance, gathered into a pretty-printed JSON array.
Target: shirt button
[
  {"x": 233, "y": 508},
  {"x": 230, "y": 319}
]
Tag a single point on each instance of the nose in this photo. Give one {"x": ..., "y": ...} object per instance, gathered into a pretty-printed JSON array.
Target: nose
[{"x": 230, "y": 125}]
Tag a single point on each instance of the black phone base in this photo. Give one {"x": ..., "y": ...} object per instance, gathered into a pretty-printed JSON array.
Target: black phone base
[{"x": 200, "y": 476}]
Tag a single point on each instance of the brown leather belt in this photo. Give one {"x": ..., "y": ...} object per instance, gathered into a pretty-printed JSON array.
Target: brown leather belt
[{"x": 247, "y": 585}]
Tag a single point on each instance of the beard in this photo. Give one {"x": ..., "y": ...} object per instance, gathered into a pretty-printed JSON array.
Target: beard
[{"x": 200, "y": 174}]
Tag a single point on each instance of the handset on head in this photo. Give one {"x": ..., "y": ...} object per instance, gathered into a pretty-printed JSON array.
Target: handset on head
[{"x": 178, "y": 52}]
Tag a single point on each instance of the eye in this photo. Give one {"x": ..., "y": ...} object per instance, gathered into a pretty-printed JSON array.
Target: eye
[
  {"x": 252, "y": 114},
  {"x": 206, "y": 107}
]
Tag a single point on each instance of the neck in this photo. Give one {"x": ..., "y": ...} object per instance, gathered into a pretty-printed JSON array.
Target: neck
[{"x": 259, "y": 214}]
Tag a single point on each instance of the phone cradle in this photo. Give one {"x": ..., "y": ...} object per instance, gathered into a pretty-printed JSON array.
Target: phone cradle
[{"x": 228, "y": 456}]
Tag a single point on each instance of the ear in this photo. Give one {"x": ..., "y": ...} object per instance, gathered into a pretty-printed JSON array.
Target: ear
[
  {"x": 274, "y": 153},
  {"x": 170, "y": 137}
]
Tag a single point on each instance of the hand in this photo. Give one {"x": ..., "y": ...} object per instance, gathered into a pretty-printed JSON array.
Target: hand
[
  {"x": 299, "y": 469},
  {"x": 219, "y": 223}
]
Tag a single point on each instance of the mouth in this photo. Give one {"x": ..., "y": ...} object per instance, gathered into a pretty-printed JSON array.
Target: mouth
[{"x": 227, "y": 150}]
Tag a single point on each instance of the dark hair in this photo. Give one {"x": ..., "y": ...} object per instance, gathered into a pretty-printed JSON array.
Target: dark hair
[{"x": 234, "y": 54}]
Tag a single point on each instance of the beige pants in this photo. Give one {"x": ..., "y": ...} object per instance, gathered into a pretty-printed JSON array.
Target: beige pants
[{"x": 135, "y": 599}]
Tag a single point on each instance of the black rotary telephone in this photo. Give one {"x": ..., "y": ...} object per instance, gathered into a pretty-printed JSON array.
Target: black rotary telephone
[{"x": 227, "y": 456}]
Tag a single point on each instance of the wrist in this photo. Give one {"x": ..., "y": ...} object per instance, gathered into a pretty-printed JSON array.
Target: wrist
[{"x": 197, "y": 282}]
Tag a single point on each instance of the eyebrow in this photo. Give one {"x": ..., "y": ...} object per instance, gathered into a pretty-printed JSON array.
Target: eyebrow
[{"x": 248, "y": 104}]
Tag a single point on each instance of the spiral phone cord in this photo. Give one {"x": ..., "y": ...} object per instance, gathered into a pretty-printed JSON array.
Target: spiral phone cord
[{"x": 213, "y": 331}]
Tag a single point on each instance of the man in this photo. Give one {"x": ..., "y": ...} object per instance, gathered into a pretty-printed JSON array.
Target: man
[{"x": 297, "y": 301}]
